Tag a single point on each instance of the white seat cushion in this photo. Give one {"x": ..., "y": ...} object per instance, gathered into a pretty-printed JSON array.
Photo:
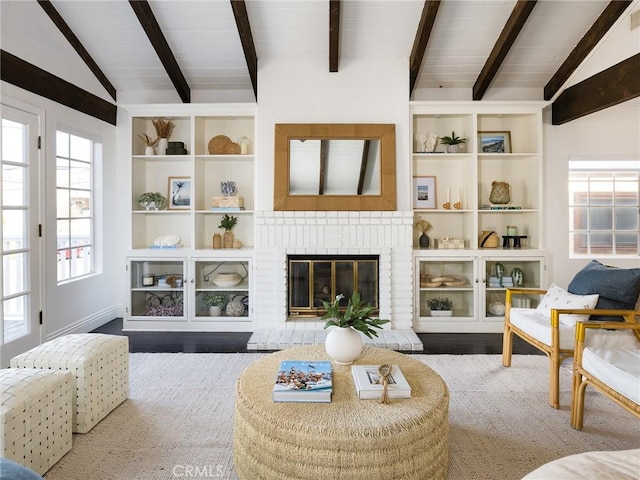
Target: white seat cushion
[
  {"x": 539, "y": 327},
  {"x": 618, "y": 369}
]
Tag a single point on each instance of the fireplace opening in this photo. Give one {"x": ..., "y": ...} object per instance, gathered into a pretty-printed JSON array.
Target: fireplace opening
[{"x": 313, "y": 279}]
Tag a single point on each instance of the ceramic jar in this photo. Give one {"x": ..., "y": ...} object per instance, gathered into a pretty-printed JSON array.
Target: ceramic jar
[{"x": 343, "y": 344}]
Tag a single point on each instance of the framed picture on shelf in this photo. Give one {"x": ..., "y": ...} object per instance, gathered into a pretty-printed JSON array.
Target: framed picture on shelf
[
  {"x": 179, "y": 193},
  {"x": 424, "y": 192},
  {"x": 494, "y": 142}
]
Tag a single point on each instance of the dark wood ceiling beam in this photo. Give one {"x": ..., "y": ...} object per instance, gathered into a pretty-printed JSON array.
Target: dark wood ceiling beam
[
  {"x": 34, "y": 79},
  {"x": 600, "y": 27},
  {"x": 246, "y": 38},
  {"x": 59, "y": 22},
  {"x": 425, "y": 26},
  {"x": 610, "y": 87},
  {"x": 505, "y": 41},
  {"x": 150, "y": 25},
  {"x": 334, "y": 35}
]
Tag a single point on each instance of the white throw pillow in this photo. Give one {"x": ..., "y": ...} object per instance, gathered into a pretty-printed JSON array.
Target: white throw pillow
[{"x": 557, "y": 297}]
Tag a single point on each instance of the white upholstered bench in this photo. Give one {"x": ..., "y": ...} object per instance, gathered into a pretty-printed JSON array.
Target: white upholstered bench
[
  {"x": 35, "y": 416},
  {"x": 100, "y": 365}
]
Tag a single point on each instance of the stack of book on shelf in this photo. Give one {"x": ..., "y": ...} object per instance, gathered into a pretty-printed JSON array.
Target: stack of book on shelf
[
  {"x": 368, "y": 385},
  {"x": 495, "y": 282},
  {"x": 303, "y": 381}
]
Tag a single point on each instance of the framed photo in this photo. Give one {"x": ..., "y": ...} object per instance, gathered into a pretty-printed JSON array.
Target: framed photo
[
  {"x": 494, "y": 142},
  {"x": 179, "y": 193},
  {"x": 424, "y": 192}
]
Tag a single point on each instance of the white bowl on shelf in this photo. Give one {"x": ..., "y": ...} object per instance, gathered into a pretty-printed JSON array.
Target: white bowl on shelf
[{"x": 227, "y": 279}]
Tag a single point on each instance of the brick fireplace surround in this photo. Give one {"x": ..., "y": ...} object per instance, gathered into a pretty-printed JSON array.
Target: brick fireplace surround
[{"x": 386, "y": 234}]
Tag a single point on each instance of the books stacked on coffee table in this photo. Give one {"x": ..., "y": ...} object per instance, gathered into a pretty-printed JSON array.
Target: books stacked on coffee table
[
  {"x": 303, "y": 381},
  {"x": 369, "y": 385}
]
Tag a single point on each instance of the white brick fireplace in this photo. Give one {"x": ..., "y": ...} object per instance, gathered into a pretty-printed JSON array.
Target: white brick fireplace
[{"x": 386, "y": 234}]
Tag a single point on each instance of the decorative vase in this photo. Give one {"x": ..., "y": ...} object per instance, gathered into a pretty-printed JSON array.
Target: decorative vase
[
  {"x": 500, "y": 193},
  {"x": 149, "y": 150},
  {"x": 424, "y": 241},
  {"x": 343, "y": 345},
  {"x": 163, "y": 144},
  {"x": 217, "y": 240},
  {"x": 215, "y": 310},
  {"x": 227, "y": 239}
]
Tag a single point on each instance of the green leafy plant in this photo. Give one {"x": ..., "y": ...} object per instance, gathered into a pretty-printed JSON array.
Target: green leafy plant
[
  {"x": 228, "y": 222},
  {"x": 356, "y": 315},
  {"x": 156, "y": 198},
  {"x": 452, "y": 140},
  {"x": 439, "y": 303},
  {"x": 213, "y": 300}
]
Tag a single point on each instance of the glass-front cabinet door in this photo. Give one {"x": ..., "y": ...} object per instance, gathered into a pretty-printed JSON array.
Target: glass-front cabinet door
[{"x": 157, "y": 290}]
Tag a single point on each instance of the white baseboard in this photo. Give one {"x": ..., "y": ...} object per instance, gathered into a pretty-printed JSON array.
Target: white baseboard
[{"x": 89, "y": 323}]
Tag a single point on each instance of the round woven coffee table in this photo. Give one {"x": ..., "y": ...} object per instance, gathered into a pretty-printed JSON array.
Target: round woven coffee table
[{"x": 349, "y": 438}]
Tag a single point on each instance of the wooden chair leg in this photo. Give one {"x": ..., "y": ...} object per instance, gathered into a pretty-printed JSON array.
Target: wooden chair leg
[
  {"x": 578, "y": 402},
  {"x": 554, "y": 381},
  {"x": 507, "y": 345}
]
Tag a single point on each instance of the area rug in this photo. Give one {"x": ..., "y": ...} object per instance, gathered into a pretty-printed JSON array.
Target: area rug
[{"x": 178, "y": 421}]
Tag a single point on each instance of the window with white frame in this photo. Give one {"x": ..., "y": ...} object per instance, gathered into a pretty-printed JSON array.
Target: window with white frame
[
  {"x": 604, "y": 207},
  {"x": 75, "y": 157}
]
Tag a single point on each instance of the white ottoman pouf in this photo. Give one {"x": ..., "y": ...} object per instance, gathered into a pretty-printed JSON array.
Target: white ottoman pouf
[
  {"x": 100, "y": 364},
  {"x": 35, "y": 416}
]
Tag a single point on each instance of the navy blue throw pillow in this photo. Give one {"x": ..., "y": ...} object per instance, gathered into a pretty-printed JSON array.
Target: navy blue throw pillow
[{"x": 618, "y": 287}]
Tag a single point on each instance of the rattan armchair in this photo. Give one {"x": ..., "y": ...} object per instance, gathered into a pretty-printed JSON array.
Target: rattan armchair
[
  {"x": 612, "y": 371},
  {"x": 554, "y": 339}
]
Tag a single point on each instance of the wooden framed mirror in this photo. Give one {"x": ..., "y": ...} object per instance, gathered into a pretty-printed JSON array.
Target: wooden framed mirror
[{"x": 334, "y": 166}]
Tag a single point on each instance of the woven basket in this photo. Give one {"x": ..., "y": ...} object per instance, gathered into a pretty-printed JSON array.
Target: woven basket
[
  {"x": 218, "y": 144},
  {"x": 232, "y": 149},
  {"x": 488, "y": 239}
]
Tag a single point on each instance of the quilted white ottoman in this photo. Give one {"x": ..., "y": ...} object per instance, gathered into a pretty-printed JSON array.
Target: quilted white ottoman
[
  {"x": 100, "y": 364},
  {"x": 35, "y": 416}
]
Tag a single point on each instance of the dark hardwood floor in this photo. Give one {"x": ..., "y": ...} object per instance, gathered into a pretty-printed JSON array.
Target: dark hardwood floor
[{"x": 236, "y": 342}]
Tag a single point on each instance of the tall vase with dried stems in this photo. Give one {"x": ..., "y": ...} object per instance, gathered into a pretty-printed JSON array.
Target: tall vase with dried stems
[{"x": 163, "y": 129}]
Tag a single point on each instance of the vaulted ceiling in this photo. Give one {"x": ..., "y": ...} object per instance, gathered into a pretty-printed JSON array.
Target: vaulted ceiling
[{"x": 189, "y": 46}]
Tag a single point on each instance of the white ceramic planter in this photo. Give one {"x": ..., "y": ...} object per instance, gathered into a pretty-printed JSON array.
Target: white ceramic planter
[
  {"x": 343, "y": 345},
  {"x": 215, "y": 310},
  {"x": 441, "y": 313}
]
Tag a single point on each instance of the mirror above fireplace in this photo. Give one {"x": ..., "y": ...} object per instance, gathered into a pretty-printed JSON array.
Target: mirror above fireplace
[{"x": 335, "y": 167}]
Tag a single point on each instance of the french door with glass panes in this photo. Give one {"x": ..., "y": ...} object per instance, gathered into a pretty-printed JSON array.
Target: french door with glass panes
[{"x": 20, "y": 279}]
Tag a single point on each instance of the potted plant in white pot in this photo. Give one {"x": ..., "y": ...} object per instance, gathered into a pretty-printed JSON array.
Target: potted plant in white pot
[
  {"x": 452, "y": 144},
  {"x": 440, "y": 306},
  {"x": 215, "y": 303},
  {"x": 152, "y": 201},
  {"x": 343, "y": 343}
]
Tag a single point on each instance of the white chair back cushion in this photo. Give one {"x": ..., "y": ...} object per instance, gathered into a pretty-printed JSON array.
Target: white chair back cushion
[{"x": 618, "y": 369}]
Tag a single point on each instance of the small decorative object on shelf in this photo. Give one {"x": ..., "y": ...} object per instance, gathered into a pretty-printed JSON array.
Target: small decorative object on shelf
[
  {"x": 176, "y": 148},
  {"x": 166, "y": 241},
  {"x": 235, "y": 307},
  {"x": 244, "y": 143},
  {"x": 452, "y": 144},
  {"x": 343, "y": 343},
  {"x": 229, "y": 200},
  {"x": 518, "y": 277},
  {"x": 227, "y": 223},
  {"x": 440, "y": 306},
  {"x": 500, "y": 193},
  {"x": 152, "y": 201},
  {"x": 423, "y": 227},
  {"x": 214, "y": 302},
  {"x": 450, "y": 243},
  {"x": 217, "y": 240},
  {"x": 149, "y": 144},
  {"x": 488, "y": 239},
  {"x": 148, "y": 280},
  {"x": 163, "y": 130}
]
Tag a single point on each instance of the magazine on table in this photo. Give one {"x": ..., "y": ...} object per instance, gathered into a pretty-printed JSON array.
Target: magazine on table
[
  {"x": 303, "y": 381},
  {"x": 369, "y": 385}
]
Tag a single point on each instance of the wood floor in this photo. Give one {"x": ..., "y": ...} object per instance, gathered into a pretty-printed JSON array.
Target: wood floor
[{"x": 236, "y": 342}]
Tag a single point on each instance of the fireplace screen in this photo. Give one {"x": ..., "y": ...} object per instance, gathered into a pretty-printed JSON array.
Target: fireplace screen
[{"x": 314, "y": 279}]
